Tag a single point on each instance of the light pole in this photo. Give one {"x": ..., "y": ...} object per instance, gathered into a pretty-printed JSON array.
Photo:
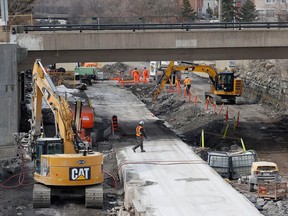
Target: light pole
[
  {"x": 220, "y": 10},
  {"x": 234, "y": 12},
  {"x": 4, "y": 13}
]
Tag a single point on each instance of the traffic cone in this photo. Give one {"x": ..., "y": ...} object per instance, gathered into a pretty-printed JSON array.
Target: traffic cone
[
  {"x": 189, "y": 96},
  {"x": 227, "y": 115},
  {"x": 178, "y": 88},
  {"x": 221, "y": 108},
  {"x": 122, "y": 83},
  {"x": 195, "y": 100},
  {"x": 237, "y": 120},
  {"x": 207, "y": 102},
  {"x": 214, "y": 106}
]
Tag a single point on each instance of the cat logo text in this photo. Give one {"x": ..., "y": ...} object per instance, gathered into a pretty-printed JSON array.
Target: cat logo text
[{"x": 80, "y": 173}]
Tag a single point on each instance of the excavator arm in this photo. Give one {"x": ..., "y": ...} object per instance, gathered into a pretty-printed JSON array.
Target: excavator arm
[
  {"x": 163, "y": 80},
  {"x": 192, "y": 68},
  {"x": 44, "y": 88}
]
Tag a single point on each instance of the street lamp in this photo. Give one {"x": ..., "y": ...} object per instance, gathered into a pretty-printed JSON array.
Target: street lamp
[
  {"x": 142, "y": 20},
  {"x": 220, "y": 10},
  {"x": 234, "y": 12}
]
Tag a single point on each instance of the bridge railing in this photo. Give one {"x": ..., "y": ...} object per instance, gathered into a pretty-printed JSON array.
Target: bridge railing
[{"x": 135, "y": 27}]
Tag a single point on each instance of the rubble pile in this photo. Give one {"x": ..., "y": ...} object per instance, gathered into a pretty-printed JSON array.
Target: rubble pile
[{"x": 113, "y": 70}]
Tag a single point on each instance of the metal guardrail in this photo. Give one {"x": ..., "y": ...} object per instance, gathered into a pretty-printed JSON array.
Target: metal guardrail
[{"x": 167, "y": 26}]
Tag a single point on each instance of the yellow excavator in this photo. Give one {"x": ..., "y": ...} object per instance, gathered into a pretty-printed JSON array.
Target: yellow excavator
[
  {"x": 224, "y": 85},
  {"x": 64, "y": 164}
]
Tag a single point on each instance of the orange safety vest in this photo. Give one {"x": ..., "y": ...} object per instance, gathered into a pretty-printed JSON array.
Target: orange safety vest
[
  {"x": 138, "y": 131},
  {"x": 136, "y": 73},
  {"x": 145, "y": 73},
  {"x": 187, "y": 81}
]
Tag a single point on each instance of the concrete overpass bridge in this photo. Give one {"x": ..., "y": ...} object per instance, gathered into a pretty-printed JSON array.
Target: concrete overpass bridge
[{"x": 60, "y": 43}]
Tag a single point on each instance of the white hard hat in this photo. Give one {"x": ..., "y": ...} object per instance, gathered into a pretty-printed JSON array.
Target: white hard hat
[{"x": 141, "y": 123}]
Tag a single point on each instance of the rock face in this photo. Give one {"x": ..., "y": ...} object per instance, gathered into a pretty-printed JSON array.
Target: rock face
[{"x": 268, "y": 79}]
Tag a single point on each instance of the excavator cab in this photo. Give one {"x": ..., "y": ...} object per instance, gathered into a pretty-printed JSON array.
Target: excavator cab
[
  {"x": 225, "y": 81},
  {"x": 47, "y": 146}
]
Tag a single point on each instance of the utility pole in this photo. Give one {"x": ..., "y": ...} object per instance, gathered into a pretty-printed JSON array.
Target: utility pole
[
  {"x": 220, "y": 10},
  {"x": 4, "y": 13}
]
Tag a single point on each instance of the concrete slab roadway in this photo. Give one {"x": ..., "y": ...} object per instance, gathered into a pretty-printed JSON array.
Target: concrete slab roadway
[{"x": 169, "y": 179}]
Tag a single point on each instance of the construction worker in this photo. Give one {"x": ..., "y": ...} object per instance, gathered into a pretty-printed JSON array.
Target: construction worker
[
  {"x": 140, "y": 134},
  {"x": 145, "y": 75},
  {"x": 178, "y": 84},
  {"x": 178, "y": 81},
  {"x": 136, "y": 75},
  {"x": 187, "y": 84}
]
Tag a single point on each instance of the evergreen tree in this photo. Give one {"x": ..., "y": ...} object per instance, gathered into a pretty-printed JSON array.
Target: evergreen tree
[
  {"x": 229, "y": 11},
  {"x": 187, "y": 11},
  {"x": 247, "y": 12},
  {"x": 209, "y": 12}
]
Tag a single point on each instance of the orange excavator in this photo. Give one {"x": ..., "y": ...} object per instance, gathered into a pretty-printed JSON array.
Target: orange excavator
[{"x": 65, "y": 164}]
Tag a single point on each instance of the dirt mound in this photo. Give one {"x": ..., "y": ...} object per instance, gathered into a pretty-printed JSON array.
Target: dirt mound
[{"x": 114, "y": 69}]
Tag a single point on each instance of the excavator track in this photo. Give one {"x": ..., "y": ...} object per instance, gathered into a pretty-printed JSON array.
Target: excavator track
[
  {"x": 41, "y": 196},
  {"x": 94, "y": 196},
  {"x": 240, "y": 100}
]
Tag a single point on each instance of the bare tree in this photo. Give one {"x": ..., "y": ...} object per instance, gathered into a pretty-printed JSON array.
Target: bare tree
[
  {"x": 281, "y": 11},
  {"x": 20, "y": 7},
  {"x": 153, "y": 10},
  {"x": 111, "y": 11},
  {"x": 142, "y": 8}
]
